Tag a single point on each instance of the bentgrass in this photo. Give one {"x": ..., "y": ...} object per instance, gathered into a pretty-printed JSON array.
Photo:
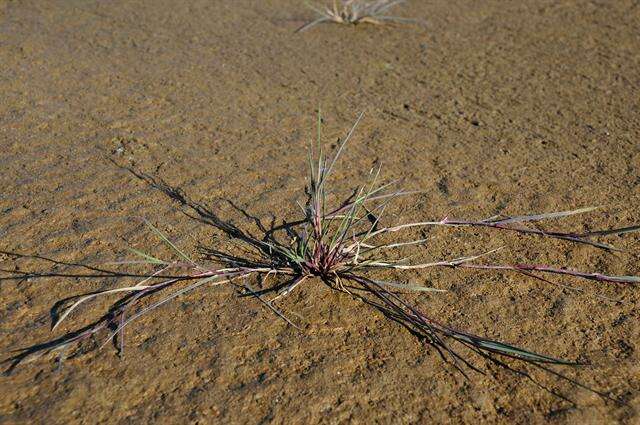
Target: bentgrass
[
  {"x": 341, "y": 246},
  {"x": 354, "y": 12}
]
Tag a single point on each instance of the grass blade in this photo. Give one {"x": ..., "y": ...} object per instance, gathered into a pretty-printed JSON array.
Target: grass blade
[
  {"x": 546, "y": 216},
  {"x": 168, "y": 242}
]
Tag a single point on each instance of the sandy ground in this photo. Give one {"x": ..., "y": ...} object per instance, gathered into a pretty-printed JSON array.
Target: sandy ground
[{"x": 495, "y": 107}]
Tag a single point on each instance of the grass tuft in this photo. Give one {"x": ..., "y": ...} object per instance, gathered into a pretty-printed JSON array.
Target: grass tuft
[
  {"x": 344, "y": 246},
  {"x": 353, "y": 12}
]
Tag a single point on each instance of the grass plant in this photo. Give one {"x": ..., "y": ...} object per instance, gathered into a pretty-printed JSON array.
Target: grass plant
[
  {"x": 345, "y": 246},
  {"x": 354, "y": 12}
]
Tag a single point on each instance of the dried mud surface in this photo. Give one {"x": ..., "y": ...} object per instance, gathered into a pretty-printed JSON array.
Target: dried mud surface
[{"x": 494, "y": 107}]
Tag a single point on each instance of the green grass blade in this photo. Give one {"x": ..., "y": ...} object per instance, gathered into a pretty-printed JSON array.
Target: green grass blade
[
  {"x": 519, "y": 352},
  {"x": 168, "y": 242},
  {"x": 149, "y": 259},
  {"x": 342, "y": 145}
]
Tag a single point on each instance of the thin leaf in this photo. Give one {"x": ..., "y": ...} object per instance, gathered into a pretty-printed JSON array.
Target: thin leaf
[
  {"x": 168, "y": 242},
  {"x": 150, "y": 259},
  {"x": 94, "y": 295},
  {"x": 511, "y": 350},
  {"x": 163, "y": 301},
  {"x": 335, "y": 158},
  {"x": 546, "y": 216},
  {"x": 620, "y": 231}
]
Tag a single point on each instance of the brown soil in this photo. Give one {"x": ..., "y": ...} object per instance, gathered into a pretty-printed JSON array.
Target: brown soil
[{"x": 493, "y": 107}]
